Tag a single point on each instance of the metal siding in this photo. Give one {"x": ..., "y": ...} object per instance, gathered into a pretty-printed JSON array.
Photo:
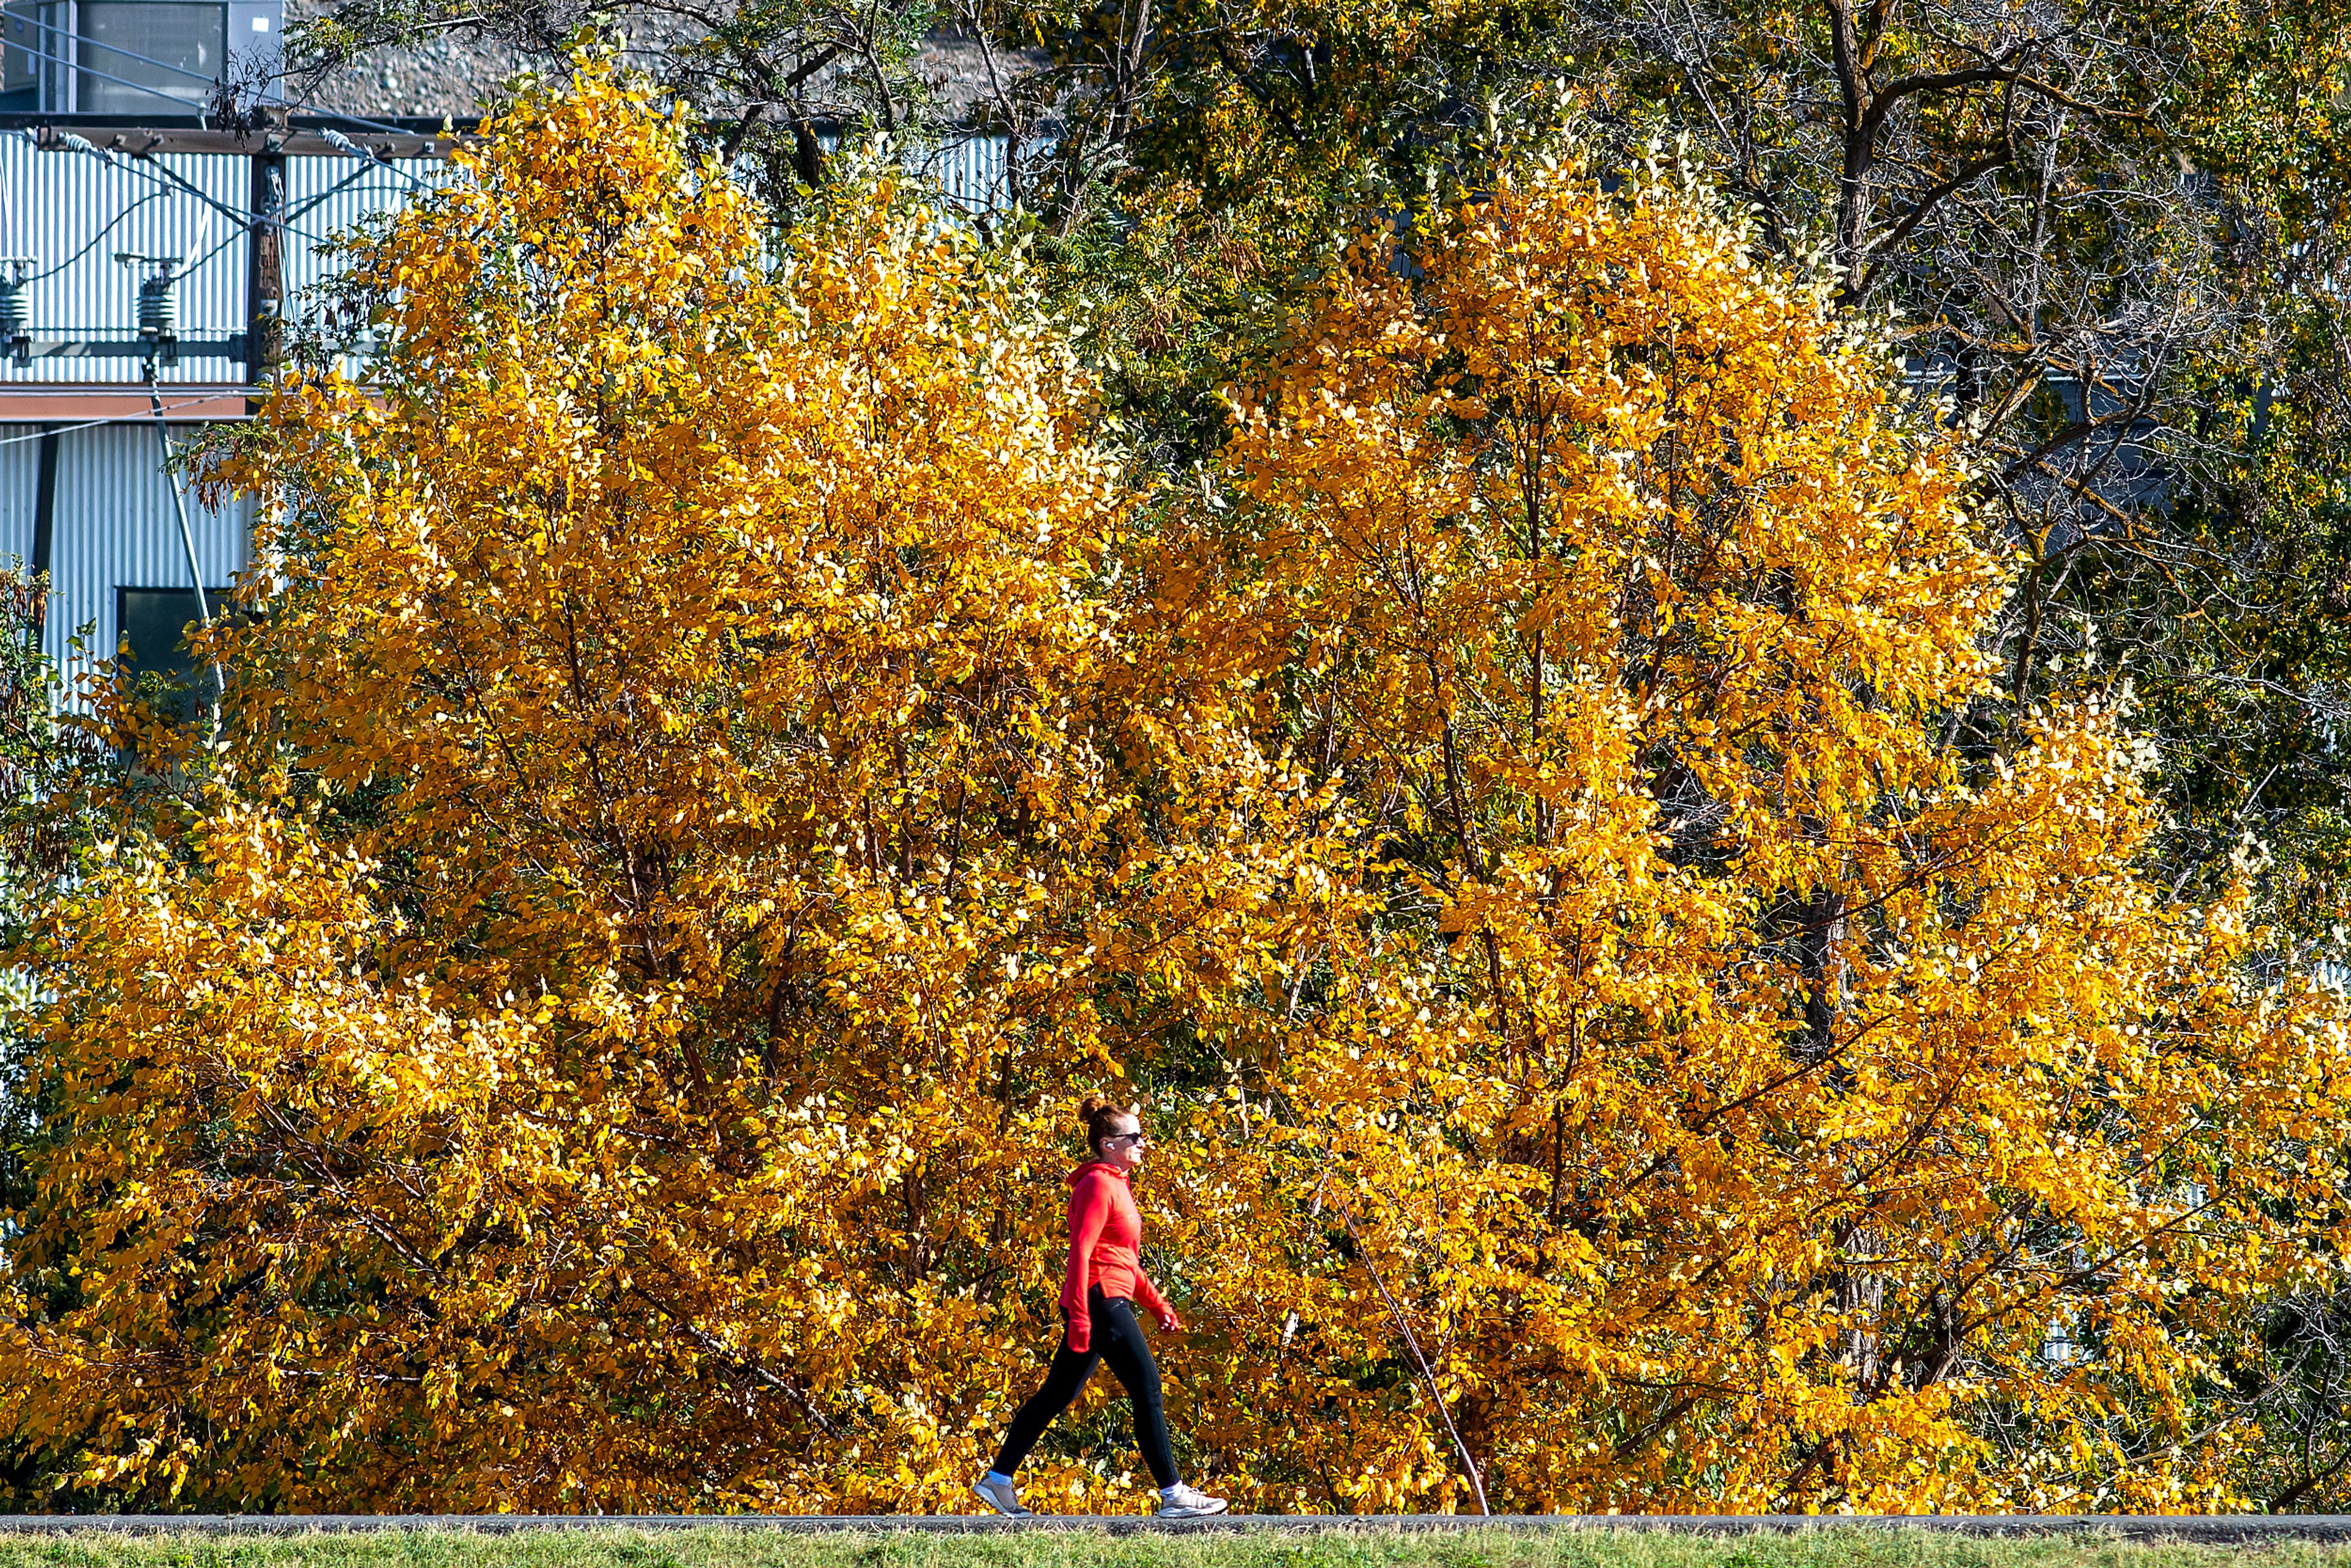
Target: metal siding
[
  {"x": 116, "y": 528},
  {"x": 971, "y": 173},
  {"x": 71, "y": 212},
  {"x": 20, "y": 485},
  {"x": 114, "y": 523},
  {"x": 332, "y": 199},
  {"x": 321, "y": 212}
]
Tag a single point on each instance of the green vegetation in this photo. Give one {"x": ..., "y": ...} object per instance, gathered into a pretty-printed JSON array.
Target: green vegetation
[{"x": 1371, "y": 1547}]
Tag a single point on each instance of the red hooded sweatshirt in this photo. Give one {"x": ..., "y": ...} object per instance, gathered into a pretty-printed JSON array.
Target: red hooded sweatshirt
[{"x": 1106, "y": 1231}]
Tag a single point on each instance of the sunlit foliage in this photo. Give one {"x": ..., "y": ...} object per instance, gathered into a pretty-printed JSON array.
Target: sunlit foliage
[
  {"x": 602, "y": 1039},
  {"x": 1759, "y": 1102},
  {"x": 722, "y": 756}
]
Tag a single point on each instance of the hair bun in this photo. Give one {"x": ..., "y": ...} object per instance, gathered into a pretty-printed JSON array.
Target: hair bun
[{"x": 1100, "y": 1115}]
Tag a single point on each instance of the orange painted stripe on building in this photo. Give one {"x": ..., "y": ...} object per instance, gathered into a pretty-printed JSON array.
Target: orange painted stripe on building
[{"x": 68, "y": 403}]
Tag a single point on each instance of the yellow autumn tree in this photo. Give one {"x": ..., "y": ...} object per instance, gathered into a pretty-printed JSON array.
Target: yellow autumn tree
[
  {"x": 598, "y": 1030},
  {"x": 721, "y": 758},
  {"x": 1721, "y": 1086}
]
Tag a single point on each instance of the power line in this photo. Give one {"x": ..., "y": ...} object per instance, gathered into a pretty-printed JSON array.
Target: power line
[
  {"x": 366, "y": 168},
  {"x": 197, "y": 266},
  {"x": 359, "y": 120},
  {"x": 342, "y": 143},
  {"x": 117, "y": 49},
  {"x": 154, "y": 170},
  {"x": 147, "y": 168},
  {"x": 157, "y": 174},
  {"x": 108, "y": 229},
  {"x": 103, "y": 76},
  {"x": 139, "y": 418}
]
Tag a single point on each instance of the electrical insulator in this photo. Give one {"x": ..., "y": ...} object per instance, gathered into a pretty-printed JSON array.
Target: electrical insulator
[
  {"x": 16, "y": 314},
  {"x": 159, "y": 308},
  {"x": 15, "y": 321}
]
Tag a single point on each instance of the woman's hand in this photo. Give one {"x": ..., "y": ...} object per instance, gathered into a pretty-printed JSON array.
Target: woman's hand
[{"x": 1169, "y": 1321}]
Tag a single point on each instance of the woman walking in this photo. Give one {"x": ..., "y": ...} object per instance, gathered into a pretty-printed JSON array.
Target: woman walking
[{"x": 1103, "y": 1280}]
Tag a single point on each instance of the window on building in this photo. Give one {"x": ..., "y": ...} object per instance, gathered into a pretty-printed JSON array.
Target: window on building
[
  {"x": 135, "y": 59},
  {"x": 152, "y": 629},
  {"x": 135, "y": 54},
  {"x": 26, "y": 79}
]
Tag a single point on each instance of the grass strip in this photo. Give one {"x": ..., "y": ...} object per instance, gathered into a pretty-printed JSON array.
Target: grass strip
[{"x": 1367, "y": 1549}]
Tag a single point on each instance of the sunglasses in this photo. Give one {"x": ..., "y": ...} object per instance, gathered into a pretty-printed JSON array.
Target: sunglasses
[{"x": 1127, "y": 1138}]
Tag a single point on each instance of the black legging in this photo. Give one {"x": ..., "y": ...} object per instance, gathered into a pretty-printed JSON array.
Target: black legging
[{"x": 1118, "y": 1339}]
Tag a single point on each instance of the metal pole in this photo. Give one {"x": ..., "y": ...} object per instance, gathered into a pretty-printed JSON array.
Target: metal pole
[{"x": 187, "y": 536}]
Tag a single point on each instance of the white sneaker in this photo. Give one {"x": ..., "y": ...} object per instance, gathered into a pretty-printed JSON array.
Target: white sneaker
[
  {"x": 1001, "y": 1496},
  {"x": 1180, "y": 1501}
]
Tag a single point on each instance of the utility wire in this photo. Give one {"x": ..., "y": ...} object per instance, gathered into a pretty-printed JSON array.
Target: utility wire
[
  {"x": 192, "y": 267},
  {"x": 138, "y": 418},
  {"x": 147, "y": 168},
  {"x": 158, "y": 172},
  {"x": 196, "y": 572},
  {"x": 334, "y": 139},
  {"x": 110, "y": 227},
  {"x": 103, "y": 76},
  {"x": 85, "y": 40},
  {"x": 344, "y": 144},
  {"x": 347, "y": 181},
  {"x": 360, "y": 121},
  {"x": 151, "y": 169},
  {"x": 241, "y": 219},
  {"x": 197, "y": 266}
]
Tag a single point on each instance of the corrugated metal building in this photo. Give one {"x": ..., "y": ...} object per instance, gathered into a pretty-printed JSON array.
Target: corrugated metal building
[
  {"x": 113, "y": 537},
  {"x": 83, "y": 490},
  {"x": 65, "y": 218}
]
